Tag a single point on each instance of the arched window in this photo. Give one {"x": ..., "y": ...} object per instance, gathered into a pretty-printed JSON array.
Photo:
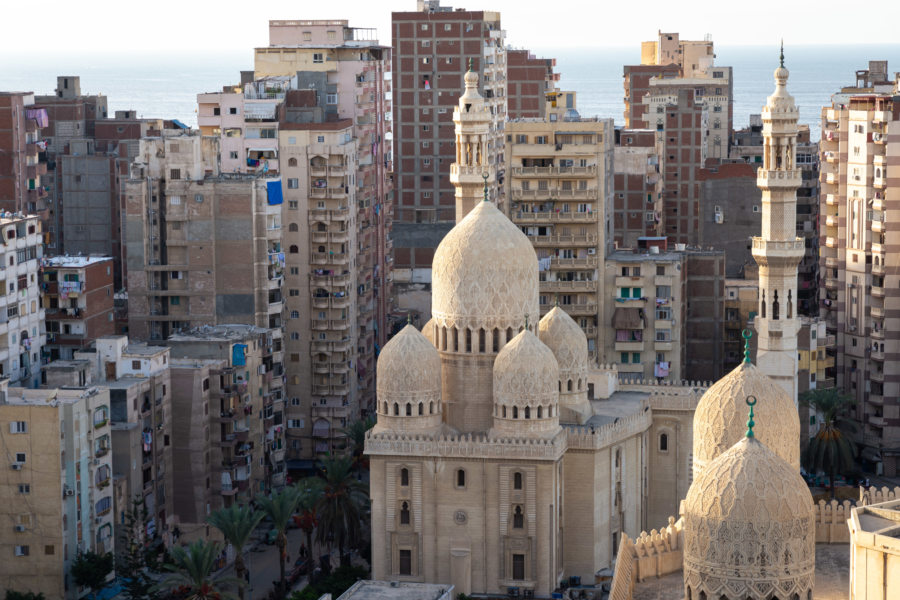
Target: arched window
[
  {"x": 321, "y": 227},
  {"x": 321, "y": 250},
  {"x": 518, "y": 518},
  {"x": 385, "y": 411},
  {"x": 762, "y": 305},
  {"x": 408, "y": 409},
  {"x": 540, "y": 410},
  {"x": 404, "y": 477},
  {"x": 569, "y": 386},
  {"x": 790, "y": 306},
  {"x": 396, "y": 409},
  {"x": 293, "y": 227},
  {"x": 509, "y": 334},
  {"x": 404, "y": 513},
  {"x": 292, "y": 162},
  {"x": 618, "y": 458},
  {"x": 455, "y": 339},
  {"x": 468, "y": 340},
  {"x": 664, "y": 442},
  {"x": 496, "y": 339},
  {"x": 517, "y": 481},
  {"x": 460, "y": 478},
  {"x": 481, "y": 340},
  {"x": 515, "y": 412},
  {"x": 421, "y": 409},
  {"x": 431, "y": 408},
  {"x": 527, "y": 412},
  {"x": 294, "y": 249},
  {"x": 775, "y": 307}
]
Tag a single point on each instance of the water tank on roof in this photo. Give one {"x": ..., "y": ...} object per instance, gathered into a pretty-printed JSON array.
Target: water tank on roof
[{"x": 571, "y": 115}]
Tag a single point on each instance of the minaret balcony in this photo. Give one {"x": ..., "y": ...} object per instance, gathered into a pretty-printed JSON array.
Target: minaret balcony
[
  {"x": 768, "y": 178},
  {"x": 770, "y": 248},
  {"x": 476, "y": 171}
]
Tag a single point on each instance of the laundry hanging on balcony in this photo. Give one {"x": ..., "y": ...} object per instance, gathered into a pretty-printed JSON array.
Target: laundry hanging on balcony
[
  {"x": 274, "y": 190},
  {"x": 238, "y": 355}
]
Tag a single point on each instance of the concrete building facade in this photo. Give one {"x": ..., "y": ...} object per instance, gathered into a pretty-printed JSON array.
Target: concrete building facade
[
  {"x": 638, "y": 186},
  {"x": 23, "y": 160},
  {"x": 78, "y": 302}
]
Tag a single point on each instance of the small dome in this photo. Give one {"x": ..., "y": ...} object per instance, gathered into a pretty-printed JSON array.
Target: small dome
[
  {"x": 485, "y": 274},
  {"x": 408, "y": 382},
  {"x": 749, "y": 527},
  {"x": 720, "y": 420},
  {"x": 569, "y": 345},
  {"x": 526, "y": 380}
]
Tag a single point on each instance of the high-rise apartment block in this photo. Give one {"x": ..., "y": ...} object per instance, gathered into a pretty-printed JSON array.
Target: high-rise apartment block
[
  {"x": 23, "y": 162},
  {"x": 22, "y": 334},
  {"x": 247, "y": 416},
  {"x": 56, "y": 488},
  {"x": 559, "y": 189},
  {"x": 859, "y": 264},
  {"x": 638, "y": 186},
  {"x": 197, "y": 241},
  {"x": 78, "y": 302}
]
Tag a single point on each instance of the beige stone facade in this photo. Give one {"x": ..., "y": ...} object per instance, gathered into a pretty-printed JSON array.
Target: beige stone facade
[{"x": 875, "y": 551}]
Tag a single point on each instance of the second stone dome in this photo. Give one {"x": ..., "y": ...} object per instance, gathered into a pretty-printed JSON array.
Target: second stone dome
[
  {"x": 408, "y": 383},
  {"x": 526, "y": 381},
  {"x": 720, "y": 420},
  {"x": 485, "y": 274}
]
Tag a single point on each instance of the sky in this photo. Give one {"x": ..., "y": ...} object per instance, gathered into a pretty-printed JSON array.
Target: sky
[{"x": 231, "y": 27}]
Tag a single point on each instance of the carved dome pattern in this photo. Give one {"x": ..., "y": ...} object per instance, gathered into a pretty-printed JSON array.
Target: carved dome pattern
[
  {"x": 567, "y": 342},
  {"x": 749, "y": 527},
  {"x": 428, "y": 332},
  {"x": 408, "y": 370},
  {"x": 720, "y": 420},
  {"x": 485, "y": 274},
  {"x": 525, "y": 372}
]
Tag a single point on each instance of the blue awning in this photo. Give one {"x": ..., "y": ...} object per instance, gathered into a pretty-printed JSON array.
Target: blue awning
[
  {"x": 179, "y": 124},
  {"x": 274, "y": 190},
  {"x": 238, "y": 356}
]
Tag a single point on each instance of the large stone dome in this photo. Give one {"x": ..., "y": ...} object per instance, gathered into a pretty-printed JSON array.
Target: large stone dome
[
  {"x": 526, "y": 380},
  {"x": 749, "y": 527},
  {"x": 485, "y": 274},
  {"x": 569, "y": 345},
  {"x": 720, "y": 420},
  {"x": 408, "y": 383}
]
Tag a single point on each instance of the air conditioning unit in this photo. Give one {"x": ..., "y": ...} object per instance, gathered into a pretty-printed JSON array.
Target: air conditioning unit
[
  {"x": 70, "y": 492},
  {"x": 592, "y": 251},
  {"x": 16, "y": 467},
  {"x": 720, "y": 218},
  {"x": 20, "y": 528}
]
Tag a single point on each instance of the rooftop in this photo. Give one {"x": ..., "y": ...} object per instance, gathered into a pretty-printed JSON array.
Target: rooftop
[
  {"x": 73, "y": 261},
  {"x": 195, "y": 363},
  {"x": 49, "y": 397},
  {"x": 143, "y": 350},
  {"x": 219, "y": 333},
  {"x": 397, "y": 590},
  {"x": 880, "y": 519},
  {"x": 619, "y": 404}
]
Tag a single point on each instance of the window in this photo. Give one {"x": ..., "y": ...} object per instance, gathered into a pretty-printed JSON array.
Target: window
[
  {"x": 293, "y": 183},
  {"x": 517, "y": 481},
  {"x": 318, "y": 57},
  {"x": 174, "y": 173},
  {"x": 233, "y": 154},
  {"x": 405, "y": 566},
  {"x": 217, "y": 111},
  {"x": 295, "y": 424},
  {"x": 20, "y": 457},
  {"x": 331, "y": 98},
  {"x": 518, "y": 518},
  {"x": 18, "y": 427},
  {"x": 518, "y": 566},
  {"x": 635, "y": 358},
  {"x": 664, "y": 442},
  {"x": 460, "y": 478},
  {"x": 24, "y": 488},
  {"x": 175, "y": 300},
  {"x": 232, "y": 110},
  {"x": 404, "y": 477},
  {"x": 174, "y": 200},
  {"x": 404, "y": 513},
  {"x": 21, "y": 550}
]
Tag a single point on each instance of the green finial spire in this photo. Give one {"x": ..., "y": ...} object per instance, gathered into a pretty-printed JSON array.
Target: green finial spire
[
  {"x": 781, "y": 58},
  {"x": 485, "y": 177},
  {"x": 470, "y": 63},
  {"x": 409, "y": 318},
  {"x": 750, "y": 422},
  {"x": 557, "y": 301},
  {"x": 747, "y": 334}
]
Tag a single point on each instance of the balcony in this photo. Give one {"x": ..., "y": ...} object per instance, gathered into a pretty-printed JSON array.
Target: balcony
[
  {"x": 588, "y": 171},
  {"x": 877, "y": 291},
  {"x": 876, "y": 421},
  {"x": 877, "y": 312},
  {"x": 328, "y": 215},
  {"x": 568, "y": 286},
  {"x": 831, "y": 199},
  {"x": 877, "y": 355},
  {"x": 563, "y": 240},
  {"x": 555, "y": 217},
  {"x": 555, "y": 194},
  {"x": 878, "y": 268},
  {"x": 831, "y": 178},
  {"x": 590, "y": 262},
  {"x": 832, "y": 263},
  {"x": 877, "y": 334},
  {"x": 330, "y": 192},
  {"x": 229, "y": 489},
  {"x": 329, "y": 258},
  {"x": 573, "y": 309}
]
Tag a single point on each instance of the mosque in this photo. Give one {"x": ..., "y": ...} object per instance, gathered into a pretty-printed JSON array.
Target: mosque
[{"x": 492, "y": 470}]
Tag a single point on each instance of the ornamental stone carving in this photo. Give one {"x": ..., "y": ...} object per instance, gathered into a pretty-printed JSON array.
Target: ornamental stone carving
[
  {"x": 526, "y": 382},
  {"x": 485, "y": 274},
  {"x": 408, "y": 383},
  {"x": 749, "y": 527},
  {"x": 569, "y": 345},
  {"x": 720, "y": 420}
]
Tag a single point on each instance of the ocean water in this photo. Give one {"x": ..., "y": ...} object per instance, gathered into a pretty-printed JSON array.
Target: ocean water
[{"x": 167, "y": 86}]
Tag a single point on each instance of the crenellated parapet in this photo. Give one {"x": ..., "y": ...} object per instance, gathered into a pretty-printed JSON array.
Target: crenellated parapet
[
  {"x": 585, "y": 437},
  {"x": 465, "y": 446}
]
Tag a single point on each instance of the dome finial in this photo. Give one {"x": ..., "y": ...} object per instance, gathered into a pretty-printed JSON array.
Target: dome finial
[
  {"x": 526, "y": 321},
  {"x": 470, "y": 61},
  {"x": 750, "y": 422},
  {"x": 409, "y": 318},
  {"x": 780, "y": 58},
  {"x": 747, "y": 334},
  {"x": 485, "y": 177}
]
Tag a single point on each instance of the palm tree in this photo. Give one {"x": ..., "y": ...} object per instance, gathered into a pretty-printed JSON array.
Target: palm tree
[
  {"x": 237, "y": 523},
  {"x": 280, "y": 508},
  {"x": 339, "y": 507},
  {"x": 191, "y": 568},
  {"x": 310, "y": 490},
  {"x": 831, "y": 450},
  {"x": 356, "y": 432}
]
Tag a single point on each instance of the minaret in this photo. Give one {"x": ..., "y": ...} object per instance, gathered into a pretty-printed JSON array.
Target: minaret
[
  {"x": 778, "y": 250},
  {"x": 473, "y": 125}
]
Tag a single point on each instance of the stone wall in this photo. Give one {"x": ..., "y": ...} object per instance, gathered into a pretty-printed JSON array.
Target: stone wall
[{"x": 651, "y": 554}]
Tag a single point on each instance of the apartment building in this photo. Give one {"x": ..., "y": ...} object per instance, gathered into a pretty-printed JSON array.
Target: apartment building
[
  {"x": 528, "y": 80},
  {"x": 638, "y": 186},
  {"x": 197, "y": 240},
  {"x": 23, "y": 161},
  {"x": 247, "y": 427},
  {"x": 741, "y": 306},
  {"x": 78, "y": 302},
  {"x": 22, "y": 334},
  {"x": 860, "y": 131},
  {"x": 747, "y": 146},
  {"x": 695, "y": 70},
  {"x": 559, "y": 189},
  {"x": 55, "y": 492},
  {"x": 137, "y": 378},
  {"x": 326, "y": 345}
]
